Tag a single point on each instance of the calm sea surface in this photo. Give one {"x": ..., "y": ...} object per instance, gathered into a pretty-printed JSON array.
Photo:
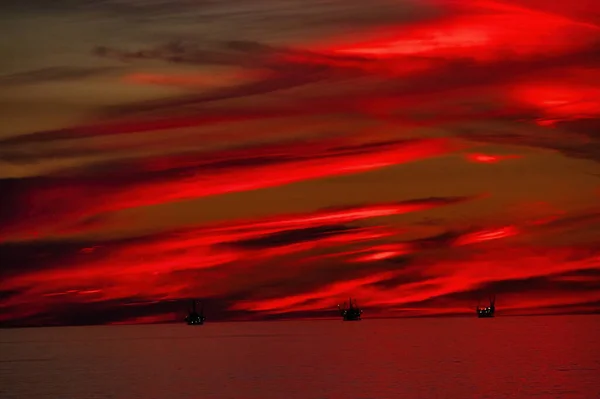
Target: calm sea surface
[{"x": 506, "y": 357}]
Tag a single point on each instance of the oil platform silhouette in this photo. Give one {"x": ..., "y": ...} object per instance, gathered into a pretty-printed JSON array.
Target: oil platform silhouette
[
  {"x": 350, "y": 311},
  {"x": 488, "y": 311},
  {"x": 195, "y": 318}
]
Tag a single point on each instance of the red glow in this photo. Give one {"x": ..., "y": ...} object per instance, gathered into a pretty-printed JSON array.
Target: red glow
[
  {"x": 118, "y": 269},
  {"x": 488, "y": 31},
  {"x": 562, "y": 101},
  {"x": 485, "y": 158},
  {"x": 447, "y": 277},
  {"x": 487, "y": 235},
  {"x": 382, "y": 252},
  {"x": 322, "y": 116},
  {"x": 336, "y": 289},
  {"x": 108, "y": 267},
  {"x": 44, "y": 203}
]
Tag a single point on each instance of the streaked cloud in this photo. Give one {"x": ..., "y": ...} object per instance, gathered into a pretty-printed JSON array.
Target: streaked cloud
[{"x": 200, "y": 160}]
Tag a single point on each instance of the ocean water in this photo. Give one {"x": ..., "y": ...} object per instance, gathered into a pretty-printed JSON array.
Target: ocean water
[{"x": 454, "y": 358}]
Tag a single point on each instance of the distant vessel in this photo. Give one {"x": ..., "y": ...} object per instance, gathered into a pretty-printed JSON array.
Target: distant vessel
[
  {"x": 350, "y": 311},
  {"x": 487, "y": 311},
  {"x": 194, "y": 318}
]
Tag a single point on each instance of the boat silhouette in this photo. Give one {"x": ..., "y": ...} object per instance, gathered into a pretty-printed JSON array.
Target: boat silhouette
[
  {"x": 487, "y": 311},
  {"x": 194, "y": 318},
  {"x": 350, "y": 311}
]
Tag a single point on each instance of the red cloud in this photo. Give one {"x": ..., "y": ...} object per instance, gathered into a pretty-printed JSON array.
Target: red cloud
[
  {"x": 483, "y": 30},
  {"x": 44, "y": 210},
  {"x": 479, "y": 70}
]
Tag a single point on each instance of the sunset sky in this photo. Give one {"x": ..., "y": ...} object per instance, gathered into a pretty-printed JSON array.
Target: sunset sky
[{"x": 273, "y": 157}]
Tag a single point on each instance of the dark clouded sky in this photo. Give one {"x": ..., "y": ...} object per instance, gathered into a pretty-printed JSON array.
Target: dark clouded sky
[{"x": 274, "y": 157}]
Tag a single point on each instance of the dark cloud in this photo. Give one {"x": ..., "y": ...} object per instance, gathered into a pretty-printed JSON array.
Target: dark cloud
[
  {"x": 543, "y": 284},
  {"x": 291, "y": 72},
  {"x": 565, "y": 143},
  {"x": 159, "y": 167},
  {"x": 53, "y": 74},
  {"x": 11, "y": 190},
  {"x": 575, "y": 221},
  {"x": 288, "y": 68},
  {"x": 593, "y": 273},
  {"x": 26, "y": 156},
  {"x": 438, "y": 241},
  {"x": 266, "y": 86},
  {"x": 287, "y": 16},
  {"x": 587, "y": 126},
  {"x": 22, "y": 257},
  {"x": 552, "y": 284},
  {"x": 123, "y": 310},
  {"x": 6, "y": 294},
  {"x": 179, "y": 51},
  {"x": 582, "y": 308},
  {"x": 240, "y": 53},
  {"x": 288, "y": 237},
  {"x": 111, "y": 8},
  {"x": 132, "y": 309},
  {"x": 17, "y": 258},
  {"x": 296, "y": 67},
  {"x": 130, "y": 126}
]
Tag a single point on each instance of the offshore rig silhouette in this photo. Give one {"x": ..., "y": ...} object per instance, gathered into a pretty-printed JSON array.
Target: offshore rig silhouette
[
  {"x": 195, "y": 318},
  {"x": 350, "y": 310},
  {"x": 488, "y": 311}
]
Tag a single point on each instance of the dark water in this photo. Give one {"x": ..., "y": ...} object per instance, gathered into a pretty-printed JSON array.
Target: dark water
[{"x": 511, "y": 357}]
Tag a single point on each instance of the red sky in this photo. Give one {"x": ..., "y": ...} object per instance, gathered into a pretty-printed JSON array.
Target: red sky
[{"x": 275, "y": 160}]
